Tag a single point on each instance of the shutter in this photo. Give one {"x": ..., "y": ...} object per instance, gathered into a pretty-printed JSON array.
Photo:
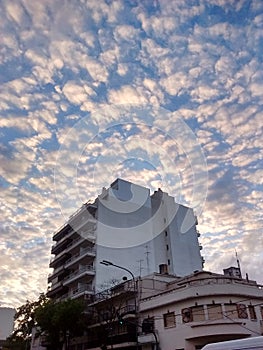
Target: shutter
[
  {"x": 187, "y": 315},
  {"x": 242, "y": 311}
]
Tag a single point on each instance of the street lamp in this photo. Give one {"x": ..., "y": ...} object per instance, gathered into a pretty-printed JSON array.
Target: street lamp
[{"x": 109, "y": 263}]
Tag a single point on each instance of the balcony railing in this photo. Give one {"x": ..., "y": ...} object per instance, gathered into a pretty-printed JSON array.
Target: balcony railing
[
  {"x": 82, "y": 271},
  {"x": 77, "y": 291},
  {"x": 74, "y": 258},
  {"x": 55, "y": 286},
  {"x": 73, "y": 244}
]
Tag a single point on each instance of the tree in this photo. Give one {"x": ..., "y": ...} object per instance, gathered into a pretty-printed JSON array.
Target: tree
[
  {"x": 60, "y": 321},
  {"x": 24, "y": 319}
]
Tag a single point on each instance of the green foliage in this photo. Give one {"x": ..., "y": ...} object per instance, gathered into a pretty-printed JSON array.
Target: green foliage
[
  {"x": 56, "y": 321},
  {"x": 59, "y": 320},
  {"x": 24, "y": 318}
]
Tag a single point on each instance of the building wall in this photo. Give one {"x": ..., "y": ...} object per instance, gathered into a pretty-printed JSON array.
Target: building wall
[
  {"x": 220, "y": 309},
  {"x": 137, "y": 229},
  {"x": 177, "y": 244},
  {"x": 124, "y": 229},
  {"x": 6, "y": 321}
]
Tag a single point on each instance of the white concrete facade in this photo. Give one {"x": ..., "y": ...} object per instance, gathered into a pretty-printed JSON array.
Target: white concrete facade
[
  {"x": 136, "y": 228},
  {"x": 130, "y": 227},
  {"x": 203, "y": 308}
]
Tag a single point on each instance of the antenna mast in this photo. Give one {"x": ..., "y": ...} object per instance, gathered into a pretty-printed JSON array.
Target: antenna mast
[{"x": 238, "y": 264}]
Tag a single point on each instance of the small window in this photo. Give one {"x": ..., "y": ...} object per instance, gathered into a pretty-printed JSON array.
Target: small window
[
  {"x": 261, "y": 311},
  {"x": 242, "y": 311},
  {"x": 148, "y": 325},
  {"x": 198, "y": 313},
  {"x": 168, "y": 262},
  {"x": 167, "y": 247},
  {"x": 214, "y": 312},
  {"x": 252, "y": 312},
  {"x": 166, "y": 233},
  {"x": 169, "y": 319},
  {"x": 187, "y": 315},
  {"x": 231, "y": 311},
  {"x": 164, "y": 220}
]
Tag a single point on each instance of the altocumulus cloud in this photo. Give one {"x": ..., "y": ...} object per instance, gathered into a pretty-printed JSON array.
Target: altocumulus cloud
[{"x": 62, "y": 62}]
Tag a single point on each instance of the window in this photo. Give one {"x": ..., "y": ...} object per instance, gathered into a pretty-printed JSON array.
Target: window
[
  {"x": 252, "y": 312},
  {"x": 167, "y": 247},
  {"x": 187, "y": 315},
  {"x": 242, "y": 311},
  {"x": 198, "y": 313},
  {"x": 261, "y": 311},
  {"x": 214, "y": 312},
  {"x": 148, "y": 325},
  {"x": 168, "y": 261},
  {"x": 169, "y": 319},
  {"x": 231, "y": 311}
]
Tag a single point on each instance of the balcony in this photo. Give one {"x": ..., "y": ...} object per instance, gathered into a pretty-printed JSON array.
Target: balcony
[
  {"x": 55, "y": 273},
  {"x": 84, "y": 271},
  {"x": 148, "y": 338},
  {"x": 76, "y": 293},
  {"x": 85, "y": 252},
  {"x": 63, "y": 240},
  {"x": 56, "y": 288},
  {"x": 59, "y": 258},
  {"x": 69, "y": 247},
  {"x": 127, "y": 310}
]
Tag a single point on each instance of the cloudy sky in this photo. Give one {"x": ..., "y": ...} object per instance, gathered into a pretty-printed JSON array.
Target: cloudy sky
[{"x": 163, "y": 93}]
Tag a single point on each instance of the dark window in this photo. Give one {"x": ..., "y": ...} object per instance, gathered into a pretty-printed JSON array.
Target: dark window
[
  {"x": 187, "y": 315},
  {"x": 252, "y": 312},
  {"x": 148, "y": 325}
]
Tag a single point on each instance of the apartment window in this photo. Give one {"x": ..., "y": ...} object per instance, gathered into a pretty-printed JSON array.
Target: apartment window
[
  {"x": 261, "y": 311},
  {"x": 242, "y": 311},
  {"x": 148, "y": 325},
  {"x": 231, "y": 311},
  {"x": 198, "y": 313},
  {"x": 169, "y": 319},
  {"x": 167, "y": 247},
  {"x": 168, "y": 261},
  {"x": 187, "y": 315},
  {"x": 214, "y": 312},
  {"x": 252, "y": 312}
]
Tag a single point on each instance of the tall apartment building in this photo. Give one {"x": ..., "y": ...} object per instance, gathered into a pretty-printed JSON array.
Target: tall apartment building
[{"x": 127, "y": 225}]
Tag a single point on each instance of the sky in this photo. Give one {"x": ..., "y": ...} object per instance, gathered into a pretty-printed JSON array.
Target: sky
[{"x": 162, "y": 93}]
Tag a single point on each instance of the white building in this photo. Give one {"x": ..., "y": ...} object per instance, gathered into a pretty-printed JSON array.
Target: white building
[
  {"x": 202, "y": 308},
  {"x": 6, "y": 322},
  {"x": 180, "y": 313},
  {"x": 129, "y": 226}
]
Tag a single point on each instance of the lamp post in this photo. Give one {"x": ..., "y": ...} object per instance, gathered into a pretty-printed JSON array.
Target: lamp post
[{"x": 109, "y": 263}]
